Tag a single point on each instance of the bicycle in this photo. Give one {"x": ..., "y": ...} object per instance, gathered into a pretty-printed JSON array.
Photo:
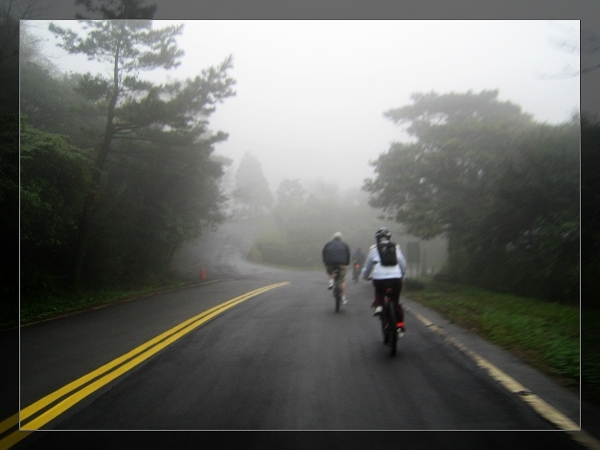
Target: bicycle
[
  {"x": 356, "y": 272},
  {"x": 337, "y": 289},
  {"x": 388, "y": 322}
]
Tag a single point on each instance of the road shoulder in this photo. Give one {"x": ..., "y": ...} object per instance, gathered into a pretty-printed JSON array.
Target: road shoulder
[{"x": 538, "y": 383}]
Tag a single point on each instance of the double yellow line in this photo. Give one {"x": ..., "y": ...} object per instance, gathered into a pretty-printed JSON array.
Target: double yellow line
[{"x": 48, "y": 408}]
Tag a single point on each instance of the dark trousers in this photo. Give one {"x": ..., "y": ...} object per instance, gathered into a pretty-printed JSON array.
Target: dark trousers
[{"x": 380, "y": 288}]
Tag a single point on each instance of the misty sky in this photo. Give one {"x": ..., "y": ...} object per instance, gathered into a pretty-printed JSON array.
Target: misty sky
[{"x": 311, "y": 94}]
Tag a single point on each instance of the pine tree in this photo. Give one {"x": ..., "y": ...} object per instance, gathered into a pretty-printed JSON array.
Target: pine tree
[{"x": 135, "y": 109}]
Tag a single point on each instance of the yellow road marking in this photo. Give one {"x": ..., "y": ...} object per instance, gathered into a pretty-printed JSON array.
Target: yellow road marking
[
  {"x": 47, "y": 400},
  {"x": 9, "y": 423},
  {"x": 13, "y": 439},
  {"x": 15, "y": 436},
  {"x": 106, "y": 373},
  {"x": 540, "y": 406}
]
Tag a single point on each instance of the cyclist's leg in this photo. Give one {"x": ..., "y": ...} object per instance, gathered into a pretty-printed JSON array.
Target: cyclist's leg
[
  {"x": 329, "y": 270},
  {"x": 379, "y": 286},
  {"x": 374, "y": 302},
  {"x": 342, "y": 278}
]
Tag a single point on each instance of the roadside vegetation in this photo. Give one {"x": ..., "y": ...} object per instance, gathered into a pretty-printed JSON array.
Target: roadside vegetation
[
  {"x": 305, "y": 215},
  {"x": 545, "y": 335},
  {"x": 116, "y": 172},
  {"x": 502, "y": 187},
  {"x": 60, "y": 303}
]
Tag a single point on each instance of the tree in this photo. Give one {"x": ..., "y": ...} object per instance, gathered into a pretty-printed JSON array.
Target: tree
[
  {"x": 320, "y": 189},
  {"x": 289, "y": 194},
  {"x": 485, "y": 175},
  {"x": 117, "y": 9},
  {"x": 290, "y": 207},
  {"x": 52, "y": 103},
  {"x": 590, "y": 220},
  {"x": 11, "y": 11},
  {"x": 251, "y": 186},
  {"x": 135, "y": 110},
  {"x": 530, "y": 234},
  {"x": 459, "y": 139},
  {"x": 303, "y": 222},
  {"x": 148, "y": 207},
  {"x": 55, "y": 178}
]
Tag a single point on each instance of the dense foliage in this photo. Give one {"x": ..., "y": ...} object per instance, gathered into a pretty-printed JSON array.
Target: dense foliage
[
  {"x": 305, "y": 216},
  {"x": 503, "y": 189},
  {"x": 55, "y": 180},
  {"x": 590, "y": 220},
  {"x": 116, "y": 171}
]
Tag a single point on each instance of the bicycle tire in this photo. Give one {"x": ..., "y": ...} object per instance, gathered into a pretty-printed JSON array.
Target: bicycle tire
[
  {"x": 384, "y": 331},
  {"x": 392, "y": 333},
  {"x": 337, "y": 291}
]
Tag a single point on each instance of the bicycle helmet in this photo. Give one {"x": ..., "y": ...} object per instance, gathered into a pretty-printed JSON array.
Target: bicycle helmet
[{"x": 383, "y": 233}]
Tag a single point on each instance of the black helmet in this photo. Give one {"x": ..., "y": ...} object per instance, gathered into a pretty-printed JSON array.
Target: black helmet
[{"x": 383, "y": 233}]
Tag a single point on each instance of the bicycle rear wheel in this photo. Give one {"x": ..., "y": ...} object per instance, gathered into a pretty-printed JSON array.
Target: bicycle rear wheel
[
  {"x": 337, "y": 290},
  {"x": 391, "y": 328},
  {"x": 384, "y": 329}
]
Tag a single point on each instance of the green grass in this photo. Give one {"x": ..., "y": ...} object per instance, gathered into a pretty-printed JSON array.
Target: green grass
[
  {"x": 545, "y": 335},
  {"x": 59, "y": 304}
]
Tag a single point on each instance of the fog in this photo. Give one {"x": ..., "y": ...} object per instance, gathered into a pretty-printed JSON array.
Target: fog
[{"x": 310, "y": 95}]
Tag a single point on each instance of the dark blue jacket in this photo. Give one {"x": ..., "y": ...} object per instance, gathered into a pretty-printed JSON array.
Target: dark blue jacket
[{"x": 336, "y": 252}]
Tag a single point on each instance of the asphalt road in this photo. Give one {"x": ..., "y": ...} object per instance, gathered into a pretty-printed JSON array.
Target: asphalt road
[
  {"x": 278, "y": 370},
  {"x": 283, "y": 360}
]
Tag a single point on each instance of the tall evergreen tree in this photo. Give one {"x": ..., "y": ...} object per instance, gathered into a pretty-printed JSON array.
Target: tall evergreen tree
[
  {"x": 251, "y": 186},
  {"x": 170, "y": 114}
]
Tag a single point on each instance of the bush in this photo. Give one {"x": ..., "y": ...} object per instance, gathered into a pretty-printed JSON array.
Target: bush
[{"x": 410, "y": 284}]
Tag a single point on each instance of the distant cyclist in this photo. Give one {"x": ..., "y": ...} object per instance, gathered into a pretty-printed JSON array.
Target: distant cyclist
[
  {"x": 385, "y": 273},
  {"x": 358, "y": 260},
  {"x": 336, "y": 255}
]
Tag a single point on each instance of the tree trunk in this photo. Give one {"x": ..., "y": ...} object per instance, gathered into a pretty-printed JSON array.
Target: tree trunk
[{"x": 90, "y": 203}]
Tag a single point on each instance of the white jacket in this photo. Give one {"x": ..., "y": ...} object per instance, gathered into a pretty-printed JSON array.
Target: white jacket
[{"x": 377, "y": 271}]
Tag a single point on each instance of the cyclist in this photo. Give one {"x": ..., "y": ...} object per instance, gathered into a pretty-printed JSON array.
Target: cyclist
[
  {"x": 358, "y": 257},
  {"x": 385, "y": 276},
  {"x": 336, "y": 255}
]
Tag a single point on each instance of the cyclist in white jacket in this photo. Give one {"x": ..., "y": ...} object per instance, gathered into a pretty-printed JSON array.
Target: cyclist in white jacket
[{"x": 385, "y": 276}]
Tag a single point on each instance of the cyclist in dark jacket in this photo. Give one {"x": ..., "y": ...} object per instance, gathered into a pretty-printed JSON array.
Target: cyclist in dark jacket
[{"x": 336, "y": 255}]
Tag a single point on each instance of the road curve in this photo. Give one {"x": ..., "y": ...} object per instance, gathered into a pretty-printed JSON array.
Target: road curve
[{"x": 280, "y": 360}]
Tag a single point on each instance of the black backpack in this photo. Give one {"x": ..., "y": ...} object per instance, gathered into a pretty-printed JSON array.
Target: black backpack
[{"x": 387, "y": 253}]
